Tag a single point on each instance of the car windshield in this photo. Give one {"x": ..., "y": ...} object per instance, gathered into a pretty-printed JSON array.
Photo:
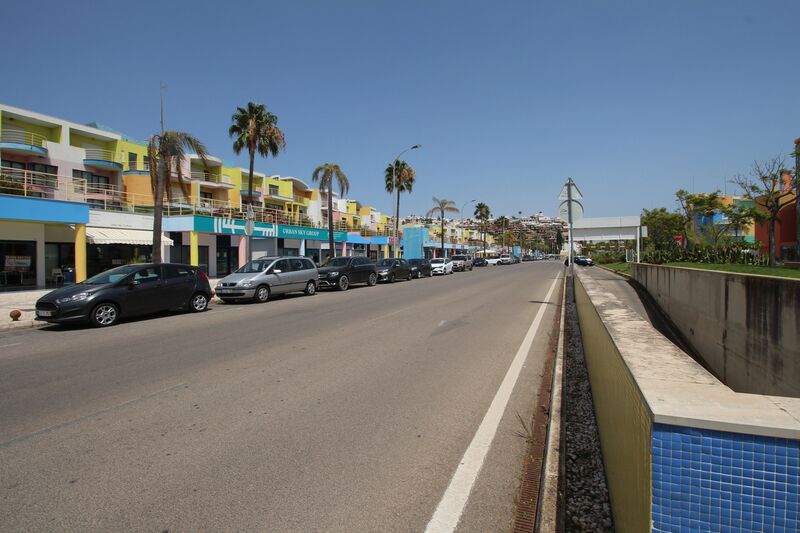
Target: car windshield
[
  {"x": 111, "y": 276},
  {"x": 255, "y": 266},
  {"x": 336, "y": 262},
  {"x": 385, "y": 262},
  {"x": 414, "y": 261},
  {"x": 437, "y": 261},
  {"x": 459, "y": 258}
]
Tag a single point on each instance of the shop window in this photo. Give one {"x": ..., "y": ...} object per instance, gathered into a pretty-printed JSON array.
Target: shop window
[{"x": 17, "y": 264}]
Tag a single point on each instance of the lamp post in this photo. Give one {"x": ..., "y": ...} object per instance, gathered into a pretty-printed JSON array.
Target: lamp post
[{"x": 397, "y": 200}]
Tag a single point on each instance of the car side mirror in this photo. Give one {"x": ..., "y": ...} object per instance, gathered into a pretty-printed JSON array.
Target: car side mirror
[
  {"x": 277, "y": 271},
  {"x": 133, "y": 283}
]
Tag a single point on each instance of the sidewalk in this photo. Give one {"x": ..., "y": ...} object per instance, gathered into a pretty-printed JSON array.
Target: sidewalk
[{"x": 25, "y": 301}]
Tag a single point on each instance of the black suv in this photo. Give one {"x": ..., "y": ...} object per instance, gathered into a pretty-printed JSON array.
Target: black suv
[
  {"x": 127, "y": 291},
  {"x": 420, "y": 267},
  {"x": 392, "y": 269},
  {"x": 341, "y": 272}
]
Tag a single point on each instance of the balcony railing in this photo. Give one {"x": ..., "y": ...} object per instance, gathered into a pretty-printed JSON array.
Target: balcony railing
[
  {"x": 207, "y": 176},
  {"x": 22, "y": 137},
  {"x": 135, "y": 165},
  {"x": 107, "y": 197},
  {"x": 101, "y": 154}
]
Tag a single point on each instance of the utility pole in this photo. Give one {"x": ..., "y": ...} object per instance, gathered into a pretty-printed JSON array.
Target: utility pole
[{"x": 573, "y": 209}]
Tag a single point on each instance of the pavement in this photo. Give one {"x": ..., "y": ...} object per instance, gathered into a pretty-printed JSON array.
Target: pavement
[{"x": 350, "y": 412}]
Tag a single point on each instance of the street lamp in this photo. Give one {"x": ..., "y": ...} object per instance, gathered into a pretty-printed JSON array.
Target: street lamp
[{"x": 397, "y": 200}]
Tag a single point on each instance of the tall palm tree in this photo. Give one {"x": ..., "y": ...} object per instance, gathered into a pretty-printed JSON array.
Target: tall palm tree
[
  {"x": 256, "y": 129},
  {"x": 482, "y": 213},
  {"x": 166, "y": 151},
  {"x": 326, "y": 174},
  {"x": 399, "y": 177},
  {"x": 441, "y": 206}
]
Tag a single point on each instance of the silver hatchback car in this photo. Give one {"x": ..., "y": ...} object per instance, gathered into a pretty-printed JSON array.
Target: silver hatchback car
[{"x": 265, "y": 276}]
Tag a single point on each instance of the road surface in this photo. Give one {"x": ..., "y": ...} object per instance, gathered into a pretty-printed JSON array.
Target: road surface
[{"x": 338, "y": 412}]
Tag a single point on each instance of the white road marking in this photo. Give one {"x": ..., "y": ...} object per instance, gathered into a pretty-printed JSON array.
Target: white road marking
[
  {"x": 10, "y": 345},
  {"x": 450, "y": 508},
  {"x": 442, "y": 323}
]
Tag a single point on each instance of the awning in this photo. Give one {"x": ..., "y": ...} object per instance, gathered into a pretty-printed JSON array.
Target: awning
[
  {"x": 356, "y": 238},
  {"x": 122, "y": 236}
]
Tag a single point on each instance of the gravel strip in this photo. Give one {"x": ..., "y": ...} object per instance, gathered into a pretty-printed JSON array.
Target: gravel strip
[{"x": 586, "y": 500}]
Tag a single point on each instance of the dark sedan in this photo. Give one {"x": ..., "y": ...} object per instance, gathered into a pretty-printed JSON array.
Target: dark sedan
[
  {"x": 420, "y": 267},
  {"x": 480, "y": 262},
  {"x": 126, "y": 291},
  {"x": 393, "y": 269},
  {"x": 341, "y": 272}
]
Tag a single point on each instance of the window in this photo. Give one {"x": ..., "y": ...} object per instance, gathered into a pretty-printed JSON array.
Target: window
[
  {"x": 282, "y": 265},
  {"x": 131, "y": 161},
  {"x": 274, "y": 190},
  {"x": 297, "y": 265},
  {"x": 177, "y": 271},
  {"x": 206, "y": 195},
  {"x": 308, "y": 265},
  {"x": 40, "y": 167},
  {"x": 147, "y": 275},
  {"x": 93, "y": 181}
]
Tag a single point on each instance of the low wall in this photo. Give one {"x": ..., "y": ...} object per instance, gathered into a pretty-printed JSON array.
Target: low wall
[
  {"x": 745, "y": 327},
  {"x": 682, "y": 451}
]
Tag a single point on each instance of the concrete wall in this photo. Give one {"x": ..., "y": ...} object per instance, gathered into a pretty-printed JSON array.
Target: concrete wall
[{"x": 745, "y": 327}]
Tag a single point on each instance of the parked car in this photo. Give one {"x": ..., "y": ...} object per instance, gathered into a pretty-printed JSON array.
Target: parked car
[
  {"x": 341, "y": 272},
  {"x": 493, "y": 261},
  {"x": 505, "y": 259},
  {"x": 126, "y": 291},
  {"x": 442, "y": 265},
  {"x": 526, "y": 258},
  {"x": 462, "y": 263},
  {"x": 393, "y": 269},
  {"x": 480, "y": 262},
  {"x": 266, "y": 276},
  {"x": 420, "y": 267},
  {"x": 583, "y": 260}
]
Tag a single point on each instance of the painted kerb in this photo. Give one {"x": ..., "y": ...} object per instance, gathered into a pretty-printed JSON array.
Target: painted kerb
[
  {"x": 623, "y": 420},
  {"x": 744, "y": 327}
]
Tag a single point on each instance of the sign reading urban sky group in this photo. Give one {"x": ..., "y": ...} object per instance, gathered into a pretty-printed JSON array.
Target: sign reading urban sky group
[
  {"x": 314, "y": 234},
  {"x": 235, "y": 226}
]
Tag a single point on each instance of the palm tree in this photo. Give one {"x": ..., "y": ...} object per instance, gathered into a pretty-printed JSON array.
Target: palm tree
[
  {"x": 482, "y": 213},
  {"x": 441, "y": 206},
  {"x": 166, "y": 151},
  {"x": 325, "y": 175},
  {"x": 256, "y": 129},
  {"x": 399, "y": 178}
]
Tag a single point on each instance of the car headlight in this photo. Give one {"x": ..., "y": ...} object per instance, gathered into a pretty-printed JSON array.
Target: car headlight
[
  {"x": 333, "y": 274},
  {"x": 246, "y": 283},
  {"x": 74, "y": 298},
  {"x": 383, "y": 271}
]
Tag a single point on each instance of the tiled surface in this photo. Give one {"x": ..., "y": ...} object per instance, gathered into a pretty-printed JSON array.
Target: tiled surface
[{"x": 707, "y": 480}]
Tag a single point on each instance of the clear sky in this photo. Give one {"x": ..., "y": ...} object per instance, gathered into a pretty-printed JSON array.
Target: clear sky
[{"x": 633, "y": 99}]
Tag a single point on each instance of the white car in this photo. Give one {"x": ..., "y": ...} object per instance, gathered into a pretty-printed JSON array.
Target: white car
[
  {"x": 505, "y": 259},
  {"x": 442, "y": 266},
  {"x": 493, "y": 261}
]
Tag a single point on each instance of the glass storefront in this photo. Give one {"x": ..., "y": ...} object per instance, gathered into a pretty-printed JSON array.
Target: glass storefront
[
  {"x": 17, "y": 264},
  {"x": 59, "y": 263},
  {"x": 101, "y": 257}
]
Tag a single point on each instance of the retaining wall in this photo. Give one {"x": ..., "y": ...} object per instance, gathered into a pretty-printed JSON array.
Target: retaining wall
[
  {"x": 745, "y": 327},
  {"x": 682, "y": 451}
]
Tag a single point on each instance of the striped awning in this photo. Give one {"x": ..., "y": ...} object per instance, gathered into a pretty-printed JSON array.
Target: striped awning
[{"x": 122, "y": 236}]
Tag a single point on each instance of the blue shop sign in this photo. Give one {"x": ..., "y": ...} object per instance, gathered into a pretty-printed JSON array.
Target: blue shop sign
[
  {"x": 314, "y": 234},
  {"x": 232, "y": 226}
]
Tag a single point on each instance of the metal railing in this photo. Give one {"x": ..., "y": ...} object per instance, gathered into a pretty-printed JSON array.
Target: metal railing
[
  {"x": 207, "y": 176},
  {"x": 22, "y": 137},
  {"x": 300, "y": 199},
  {"x": 135, "y": 165},
  {"x": 101, "y": 154},
  {"x": 107, "y": 197}
]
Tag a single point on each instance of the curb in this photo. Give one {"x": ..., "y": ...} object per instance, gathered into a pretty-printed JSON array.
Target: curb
[
  {"x": 21, "y": 324},
  {"x": 549, "y": 513},
  {"x": 615, "y": 272}
]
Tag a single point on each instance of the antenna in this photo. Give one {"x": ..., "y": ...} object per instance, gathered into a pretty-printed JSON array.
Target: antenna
[{"x": 162, "y": 88}]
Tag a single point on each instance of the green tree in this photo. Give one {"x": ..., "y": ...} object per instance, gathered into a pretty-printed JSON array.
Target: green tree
[
  {"x": 440, "y": 207},
  {"x": 326, "y": 175},
  {"x": 168, "y": 150},
  {"x": 500, "y": 227},
  {"x": 710, "y": 218},
  {"x": 765, "y": 186},
  {"x": 255, "y": 129},
  {"x": 483, "y": 213},
  {"x": 399, "y": 177},
  {"x": 662, "y": 227}
]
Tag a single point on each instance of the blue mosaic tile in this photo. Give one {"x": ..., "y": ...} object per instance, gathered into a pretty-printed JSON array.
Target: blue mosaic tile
[{"x": 707, "y": 480}]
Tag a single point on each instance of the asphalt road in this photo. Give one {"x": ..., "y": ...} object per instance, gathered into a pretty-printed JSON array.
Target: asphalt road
[{"x": 338, "y": 412}]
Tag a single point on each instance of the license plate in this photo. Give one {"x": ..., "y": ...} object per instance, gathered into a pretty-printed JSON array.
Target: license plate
[{"x": 44, "y": 313}]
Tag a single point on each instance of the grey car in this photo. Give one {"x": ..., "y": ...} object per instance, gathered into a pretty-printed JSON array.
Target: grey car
[{"x": 266, "y": 276}]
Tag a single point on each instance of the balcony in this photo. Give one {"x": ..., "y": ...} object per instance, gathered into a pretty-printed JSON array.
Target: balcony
[
  {"x": 135, "y": 167},
  {"x": 100, "y": 157},
  {"x": 22, "y": 142},
  {"x": 211, "y": 179}
]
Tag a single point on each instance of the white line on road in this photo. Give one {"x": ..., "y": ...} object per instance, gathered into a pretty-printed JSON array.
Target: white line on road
[
  {"x": 10, "y": 345},
  {"x": 442, "y": 323},
  {"x": 448, "y": 512}
]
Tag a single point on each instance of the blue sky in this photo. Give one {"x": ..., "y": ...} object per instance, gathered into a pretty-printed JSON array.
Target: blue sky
[{"x": 632, "y": 99}]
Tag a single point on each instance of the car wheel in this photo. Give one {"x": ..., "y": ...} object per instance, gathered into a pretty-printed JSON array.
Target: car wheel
[
  {"x": 104, "y": 315},
  {"x": 410, "y": 276},
  {"x": 391, "y": 277},
  {"x": 343, "y": 283},
  {"x": 262, "y": 294},
  {"x": 198, "y": 303},
  {"x": 419, "y": 274},
  {"x": 430, "y": 274},
  {"x": 311, "y": 289},
  {"x": 372, "y": 280}
]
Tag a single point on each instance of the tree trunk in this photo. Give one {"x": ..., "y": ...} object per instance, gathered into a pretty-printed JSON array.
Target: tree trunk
[
  {"x": 158, "y": 213},
  {"x": 797, "y": 199},
  {"x": 443, "y": 254},
  {"x": 331, "y": 244},
  {"x": 772, "y": 239},
  {"x": 250, "y": 201},
  {"x": 397, "y": 220}
]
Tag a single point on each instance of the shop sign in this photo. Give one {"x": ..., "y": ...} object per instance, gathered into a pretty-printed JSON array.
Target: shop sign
[
  {"x": 18, "y": 263},
  {"x": 232, "y": 226},
  {"x": 316, "y": 234}
]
